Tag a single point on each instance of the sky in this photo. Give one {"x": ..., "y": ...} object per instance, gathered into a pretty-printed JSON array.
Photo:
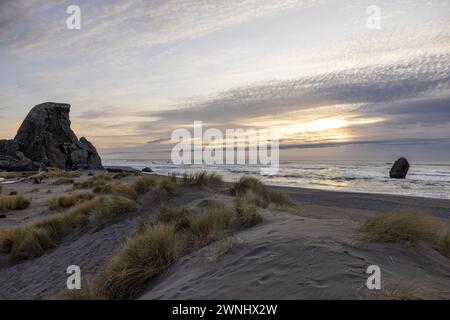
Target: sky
[{"x": 334, "y": 87}]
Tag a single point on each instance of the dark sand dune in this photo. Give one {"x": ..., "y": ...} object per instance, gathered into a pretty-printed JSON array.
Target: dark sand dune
[{"x": 292, "y": 257}]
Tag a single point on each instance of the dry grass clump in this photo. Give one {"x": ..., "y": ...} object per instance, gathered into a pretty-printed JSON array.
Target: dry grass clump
[
  {"x": 90, "y": 290},
  {"x": 246, "y": 214},
  {"x": 59, "y": 173},
  {"x": 262, "y": 195},
  {"x": 210, "y": 225},
  {"x": 33, "y": 239},
  {"x": 141, "y": 259},
  {"x": 165, "y": 190},
  {"x": 97, "y": 180},
  {"x": 203, "y": 178},
  {"x": 16, "y": 175},
  {"x": 143, "y": 184},
  {"x": 405, "y": 293},
  {"x": 124, "y": 174},
  {"x": 1, "y": 189},
  {"x": 153, "y": 249},
  {"x": 212, "y": 203},
  {"x": 411, "y": 226},
  {"x": 110, "y": 210},
  {"x": 116, "y": 189},
  {"x": 14, "y": 203},
  {"x": 62, "y": 181},
  {"x": 179, "y": 217},
  {"x": 68, "y": 201}
]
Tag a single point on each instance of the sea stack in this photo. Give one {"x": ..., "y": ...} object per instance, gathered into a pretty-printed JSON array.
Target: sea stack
[
  {"x": 46, "y": 139},
  {"x": 400, "y": 169}
]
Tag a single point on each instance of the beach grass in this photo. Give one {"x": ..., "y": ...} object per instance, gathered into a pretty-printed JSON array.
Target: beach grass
[
  {"x": 209, "y": 225},
  {"x": 261, "y": 195},
  {"x": 14, "y": 202},
  {"x": 141, "y": 259},
  {"x": 165, "y": 190},
  {"x": 179, "y": 217},
  {"x": 408, "y": 225},
  {"x": 203, "y": 178},
  {"x": 156, "y": 246},
  {"x": 112, "y": 208},
  {"x": 33, "y": 239},
  {"x": 247, "y": 215},
  {"x": 62, "y": 181},
  {"x": 143, "y": 184},
  {"x": 67, "y": 201},
  {"x": 97, "y": 180},
  {"x": 59, "y": 173},
  {"x": 115, "y": 188}
]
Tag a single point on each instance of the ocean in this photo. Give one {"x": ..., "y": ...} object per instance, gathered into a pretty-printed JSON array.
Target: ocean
[{"x": 431, "y": 180}]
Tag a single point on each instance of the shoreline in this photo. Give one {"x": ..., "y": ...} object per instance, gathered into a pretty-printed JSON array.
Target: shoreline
[
  {"x": 287, "y": 188},
  {"x": 295, "y": 189},
  {"x": 370, "y": 202}
]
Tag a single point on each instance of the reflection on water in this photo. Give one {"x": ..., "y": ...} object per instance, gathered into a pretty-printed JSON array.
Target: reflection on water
[{"x": 426, "y": 180}]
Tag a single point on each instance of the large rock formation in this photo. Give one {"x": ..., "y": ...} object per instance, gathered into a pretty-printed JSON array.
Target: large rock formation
[
  {"x": 400, "y": 169},
  {"x": 45, "y": 137},
  {"x": 11, "y": 159}
]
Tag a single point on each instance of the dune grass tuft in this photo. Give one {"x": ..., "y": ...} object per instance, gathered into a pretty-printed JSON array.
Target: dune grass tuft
[
  {"x": 179, "y": 217},
  {"x": 97, "y": 180},
  {"x": 33, "y": 239},
  {"x": 155, "y": 247},
  {"x": 111, "y": 209},
  {"x": 124, "y": 174},
  {"x": 408, "y": 225},
  {"x": 203, "y": 178},
  {"x": 14, "y": 203},
  {"x": 260, "y": 194},
  {"x": 143, "y": 184},
  {"x": 59, "y": 173},
  {"x": 165, "y": 190},
  {"x": 210, "y": 225},
  {"x": 116, "y": 189},
  {"x": 68, "y": 201},
  {"x": 62, "y": 181},
  {"x": 90, "y": 290},
  {"x": 141, "y": 259},
  {"x": 212, "y": 203},
  {"x": 246, "y": 214}
]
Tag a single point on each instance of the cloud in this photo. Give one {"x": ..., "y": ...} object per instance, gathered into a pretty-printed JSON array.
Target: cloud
[
  {"x": 118, "y": 24},
  {"x": 378, "y": 89},
  {"x": 398, "y": 142},
  {"x": 99, "y": 113}
]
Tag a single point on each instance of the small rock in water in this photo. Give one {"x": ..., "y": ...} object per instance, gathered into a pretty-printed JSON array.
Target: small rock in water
[
  {"x": 400, "y": 169},
  {"x": 147, "y": 169}
]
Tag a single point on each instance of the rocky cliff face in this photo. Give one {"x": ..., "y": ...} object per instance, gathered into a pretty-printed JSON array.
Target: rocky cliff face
[{"x": 45, "y": 137}]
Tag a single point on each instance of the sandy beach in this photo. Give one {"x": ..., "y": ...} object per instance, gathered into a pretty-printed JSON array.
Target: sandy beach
[{"x": 309, "y": 250}]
